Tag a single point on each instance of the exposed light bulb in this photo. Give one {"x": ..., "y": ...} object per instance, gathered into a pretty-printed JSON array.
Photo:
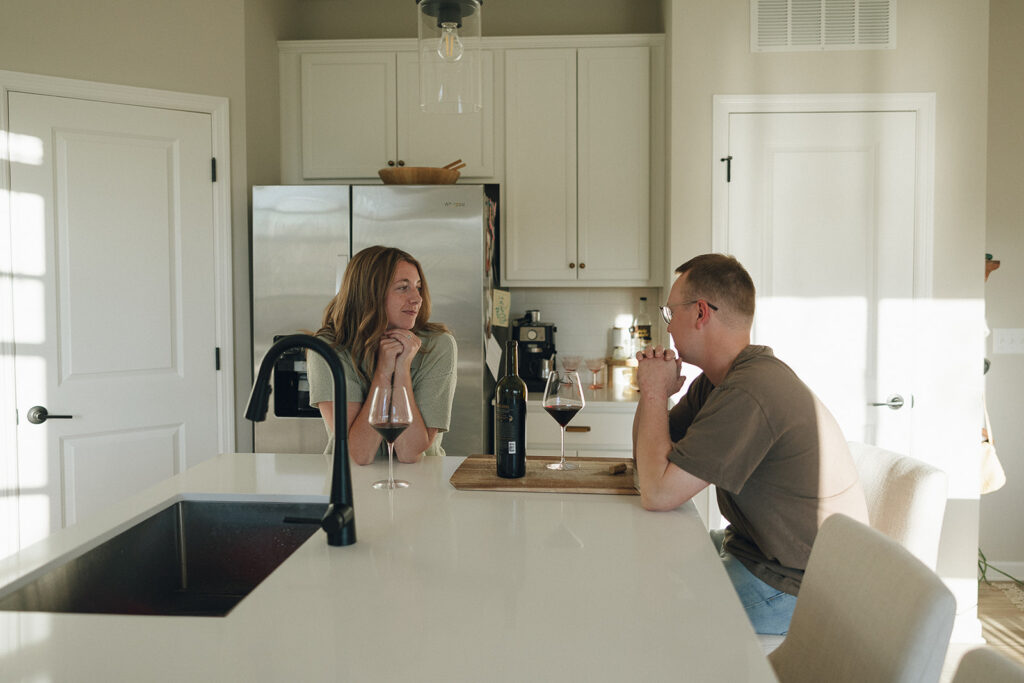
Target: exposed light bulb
[{"x": 449, "y": 47}]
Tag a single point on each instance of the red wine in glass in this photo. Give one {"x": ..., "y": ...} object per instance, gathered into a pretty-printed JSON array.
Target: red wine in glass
[
  {"x": 563, "y": 398},
  {"x": 390, "y": 414},
  {"x": 563, "y": 414},
  {"x": 390, "y": 432}
]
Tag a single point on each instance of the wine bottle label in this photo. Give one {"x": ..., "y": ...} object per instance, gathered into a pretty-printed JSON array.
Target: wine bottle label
[{"x": 510, "y": 439}]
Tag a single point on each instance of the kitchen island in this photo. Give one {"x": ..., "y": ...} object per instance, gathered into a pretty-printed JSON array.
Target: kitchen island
[{"x": 442, "y": 585}]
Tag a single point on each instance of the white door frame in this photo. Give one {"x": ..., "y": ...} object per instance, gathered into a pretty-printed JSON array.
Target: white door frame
[
  {"x": 923, "y": 104},
  {"x": 217, "y": 108}
]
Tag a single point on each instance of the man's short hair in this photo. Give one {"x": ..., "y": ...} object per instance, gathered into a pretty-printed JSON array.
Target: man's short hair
[{"x": 721, "y": 280}]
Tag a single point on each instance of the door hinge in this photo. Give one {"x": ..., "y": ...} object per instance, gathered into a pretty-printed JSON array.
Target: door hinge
[
  {"x": 216, "y": 357},
  {"x": 728, "y": 168},
  {"x": 213, "y": 169}
]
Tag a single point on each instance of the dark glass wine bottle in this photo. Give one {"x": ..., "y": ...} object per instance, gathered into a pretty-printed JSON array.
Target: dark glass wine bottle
[{"x": 510, "y": 417}]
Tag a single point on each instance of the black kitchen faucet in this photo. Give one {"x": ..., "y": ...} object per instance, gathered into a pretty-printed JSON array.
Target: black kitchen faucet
[{"x": 340, "y": 519}]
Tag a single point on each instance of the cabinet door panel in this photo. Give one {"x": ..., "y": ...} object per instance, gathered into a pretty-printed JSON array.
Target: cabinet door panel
[
  {"x": 436, "y": 139},
  {"x": 540, "y": 120},
  {"x": 614, "y": 163},
  {"x": 349, "y": 114}
]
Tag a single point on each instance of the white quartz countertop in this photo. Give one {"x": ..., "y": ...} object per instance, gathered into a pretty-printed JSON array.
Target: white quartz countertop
[{"x": 442, "y": 585}]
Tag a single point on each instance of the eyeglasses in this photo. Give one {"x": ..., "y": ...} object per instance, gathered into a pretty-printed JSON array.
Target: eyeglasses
[{"x": 666, "y": 311}]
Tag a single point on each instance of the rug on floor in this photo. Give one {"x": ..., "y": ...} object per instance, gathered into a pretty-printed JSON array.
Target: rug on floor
[{"x": 1013, "y": 593}]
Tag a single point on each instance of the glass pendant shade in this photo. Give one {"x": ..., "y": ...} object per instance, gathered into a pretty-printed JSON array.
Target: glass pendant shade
[{"x": 449, "y": 54}]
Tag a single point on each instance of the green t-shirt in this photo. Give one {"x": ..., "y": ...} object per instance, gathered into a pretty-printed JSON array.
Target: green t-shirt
[{"x": 433, "y": 385}]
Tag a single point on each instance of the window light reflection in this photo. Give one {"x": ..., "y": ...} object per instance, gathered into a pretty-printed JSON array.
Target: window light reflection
[
  {"x": 29, "y": 315},
  {"x": 786, "y": 323},
  {"x": 28, "y": 218},
  {"x": 23, "y": 149}
]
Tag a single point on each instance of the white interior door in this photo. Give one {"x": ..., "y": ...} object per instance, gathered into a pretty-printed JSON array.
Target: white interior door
[
  {"x": 821, "y": 210},
  {"x": 114, "y": 308}
]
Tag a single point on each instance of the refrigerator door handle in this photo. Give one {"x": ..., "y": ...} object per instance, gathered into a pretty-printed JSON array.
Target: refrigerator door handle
[{"x": 342, "y": 265}]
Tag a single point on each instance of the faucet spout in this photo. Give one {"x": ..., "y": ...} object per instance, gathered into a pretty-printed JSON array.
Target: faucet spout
[{"x": 339, "y": 520}]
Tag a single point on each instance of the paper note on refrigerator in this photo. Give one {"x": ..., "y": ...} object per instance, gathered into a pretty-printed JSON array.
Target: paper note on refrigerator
[
  {"x": 493, "y": 355},
  {"x": 502, "y": 302}
]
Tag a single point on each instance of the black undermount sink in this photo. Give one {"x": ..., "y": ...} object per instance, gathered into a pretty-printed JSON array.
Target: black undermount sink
[{"x": 192, "y": 558}]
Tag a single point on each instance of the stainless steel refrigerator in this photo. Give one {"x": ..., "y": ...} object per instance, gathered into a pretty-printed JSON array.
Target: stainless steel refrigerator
[{"x": 302, "y": 239}]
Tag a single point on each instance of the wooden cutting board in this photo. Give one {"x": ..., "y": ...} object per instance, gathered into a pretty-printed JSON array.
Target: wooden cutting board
[{"x": 477, "y": 473}]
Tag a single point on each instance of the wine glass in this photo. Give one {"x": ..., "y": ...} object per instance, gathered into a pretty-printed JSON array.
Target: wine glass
[
  {"x": 595, "y": 365},
  {"x": 390, "y": 414},
  {"x": 563, "y": 398},
  {"x": 571, "y": 363}
]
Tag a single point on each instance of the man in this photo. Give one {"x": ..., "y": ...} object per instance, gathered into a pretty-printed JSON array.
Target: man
[{"x": 749, "y": 426}]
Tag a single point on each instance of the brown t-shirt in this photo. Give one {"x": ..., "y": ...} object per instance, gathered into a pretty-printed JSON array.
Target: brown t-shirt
[{"x": 776, "y": 455}]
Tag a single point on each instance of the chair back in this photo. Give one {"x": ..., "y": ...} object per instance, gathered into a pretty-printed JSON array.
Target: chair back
[
  {"x": 988, "y": 665},
  {"x": 906, "y": 498},
  {"x": 868, "y": 610}
]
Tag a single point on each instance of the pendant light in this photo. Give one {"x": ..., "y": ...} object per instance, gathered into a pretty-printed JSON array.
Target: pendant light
[{"x": 449, "y": 53}]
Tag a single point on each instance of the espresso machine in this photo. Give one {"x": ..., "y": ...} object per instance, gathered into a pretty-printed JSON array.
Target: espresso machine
[{"x": 536, "y": 350}]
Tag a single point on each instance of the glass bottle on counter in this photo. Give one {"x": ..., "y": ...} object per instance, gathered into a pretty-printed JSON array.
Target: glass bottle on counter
[
  {"x": 640, "y": 331},
  {"x": 510, "y": 417}
]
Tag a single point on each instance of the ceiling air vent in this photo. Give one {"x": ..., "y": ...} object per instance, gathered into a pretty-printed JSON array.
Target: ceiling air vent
[{"x": 795, "y": 25}]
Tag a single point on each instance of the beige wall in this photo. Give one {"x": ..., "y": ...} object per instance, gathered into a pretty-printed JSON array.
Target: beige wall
[
  {"x": 266, "y": 22},
  {"x": 1002, "y": 512},
  {"x": 942, "y": 48}
]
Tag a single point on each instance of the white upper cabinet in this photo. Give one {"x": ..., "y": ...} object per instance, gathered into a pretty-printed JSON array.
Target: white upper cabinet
[
  {"x": 614, "y": 156},
  {"x": 436, "y": 139},
  {"x": 349, "y": 114},
  {"x": 579, "y": 195},
  {"x": 572, "y": 128},
  {"x": 349, "y": 110},
  {"x": 539, "y": 213}
]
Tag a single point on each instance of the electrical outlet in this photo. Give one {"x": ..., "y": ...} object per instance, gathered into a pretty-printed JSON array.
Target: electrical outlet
[{"x": 1008, "y": 340}]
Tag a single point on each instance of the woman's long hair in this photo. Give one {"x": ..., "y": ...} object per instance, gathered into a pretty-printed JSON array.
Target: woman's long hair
[{"x": 356, "y": 318}]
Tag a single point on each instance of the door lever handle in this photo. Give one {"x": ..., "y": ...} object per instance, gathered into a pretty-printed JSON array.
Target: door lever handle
[
  {"x": 895, "y": 402},
  {"x": 37, "y": 415}
]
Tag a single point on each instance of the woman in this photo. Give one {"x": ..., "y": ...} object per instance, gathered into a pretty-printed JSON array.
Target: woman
[{"x": 378, "y": 324}]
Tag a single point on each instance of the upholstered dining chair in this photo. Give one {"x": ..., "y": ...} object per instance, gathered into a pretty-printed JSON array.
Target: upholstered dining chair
[
  {"x": 906, "y": 498},
  {"x": 868, "y": 611},
  {"x": 986, "y": 665},
  {"x": 906, "y": 501}
]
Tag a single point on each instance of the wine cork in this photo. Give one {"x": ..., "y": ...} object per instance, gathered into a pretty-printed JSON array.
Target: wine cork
[{"x": 617, "y": 469}]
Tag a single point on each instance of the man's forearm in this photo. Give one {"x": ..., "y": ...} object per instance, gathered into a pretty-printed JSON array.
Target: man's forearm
[{"x": 651, "y": 444}]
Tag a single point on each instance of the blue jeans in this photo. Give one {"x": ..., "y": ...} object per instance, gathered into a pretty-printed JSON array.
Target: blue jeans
[{"x": 768, "y": 609}]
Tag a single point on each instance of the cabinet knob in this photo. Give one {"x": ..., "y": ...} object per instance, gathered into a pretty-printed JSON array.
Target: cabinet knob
[
  {"x": 391, "y": 162},
  {"x": 572, "y": 265},
  {"x": 582, "y": 265},
  {"x": 401, "y": 163},
  {"x": 578, "y": 428}
]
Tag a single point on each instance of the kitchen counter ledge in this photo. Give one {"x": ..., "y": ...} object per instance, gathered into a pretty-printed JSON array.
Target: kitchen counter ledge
[{"x": 442, "y": 585}]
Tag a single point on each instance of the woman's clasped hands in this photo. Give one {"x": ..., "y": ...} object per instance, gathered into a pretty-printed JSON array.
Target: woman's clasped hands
[{"x": 395, "y": 352}]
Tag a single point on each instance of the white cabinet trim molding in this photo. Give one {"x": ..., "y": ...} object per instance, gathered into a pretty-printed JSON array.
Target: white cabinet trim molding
[{"x": 487, "y": 43}]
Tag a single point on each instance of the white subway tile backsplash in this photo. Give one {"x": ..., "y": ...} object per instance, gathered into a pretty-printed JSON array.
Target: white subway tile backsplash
[{"x": 585, "y": 316}]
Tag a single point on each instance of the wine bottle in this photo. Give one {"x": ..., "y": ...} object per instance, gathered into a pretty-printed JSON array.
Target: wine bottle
[{"x": 510, "y": 417}]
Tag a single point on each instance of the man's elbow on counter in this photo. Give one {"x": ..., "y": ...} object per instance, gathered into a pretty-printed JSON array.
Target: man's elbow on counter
[{"x": 657, "y": 503}]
